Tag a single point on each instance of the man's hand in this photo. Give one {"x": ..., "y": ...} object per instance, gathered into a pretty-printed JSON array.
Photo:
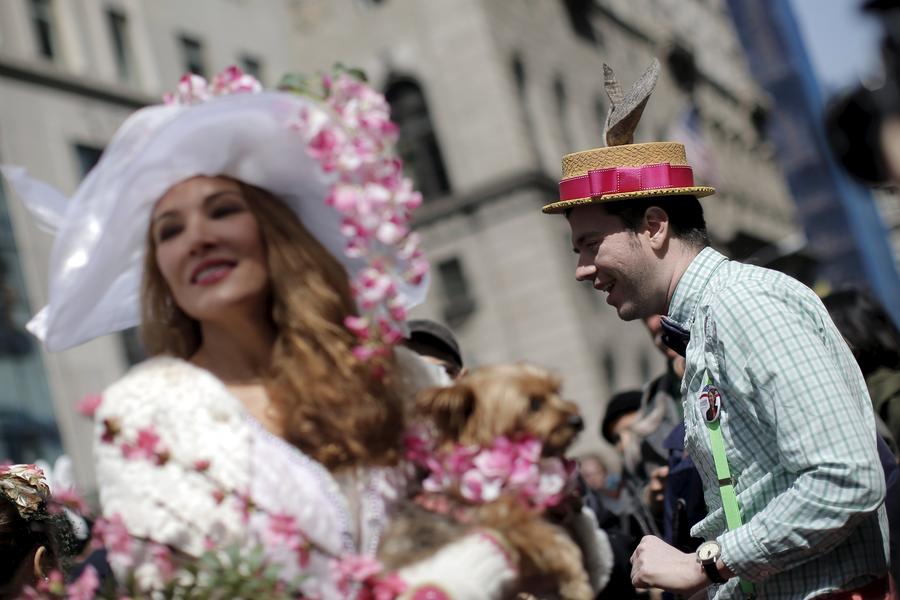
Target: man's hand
[
  {"x": 657, "y": 564},
  {"x": 654, "y": 492}
]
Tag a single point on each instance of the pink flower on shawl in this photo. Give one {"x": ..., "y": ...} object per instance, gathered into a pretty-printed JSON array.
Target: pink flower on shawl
[
  {"x": 387, "y": 587},
  {"x": 364, "y": 573},
  {"x": 85, "y": 587},
  {"x": 146, "y": 445},
  {"x": 164, "y": 561},
  {"x": 88, "y": 405},
  {"x": 113, "y": 535},
  {"x": 353, "y": 569},
  {"x": 284, "y": 528}
]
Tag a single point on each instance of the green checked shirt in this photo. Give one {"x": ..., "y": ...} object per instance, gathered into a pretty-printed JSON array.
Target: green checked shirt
[{"x": 798, "y": 428}]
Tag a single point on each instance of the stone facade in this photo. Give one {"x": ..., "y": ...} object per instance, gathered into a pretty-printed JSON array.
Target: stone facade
[{"x": 509, "y": 88}]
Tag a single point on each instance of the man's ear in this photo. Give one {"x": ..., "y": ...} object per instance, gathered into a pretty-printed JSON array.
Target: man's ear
[
  {"x": 449, "y": 407},
  {"x": 656, "y": 220}
]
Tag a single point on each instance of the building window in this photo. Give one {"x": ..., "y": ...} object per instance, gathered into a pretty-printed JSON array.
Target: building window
[
  {"x": 580, "y": 12},
  {"x": 44, "y": 27},
  {"x": 118, "y": 32},
  {"x": 521, "y": 81},
  {"x": 192, "y": 55},
  {"x": 562, "y": 112},
  {"x": 418, "y": 144},
  {"x": 458, "y": 300},
  {"x": 609, "y": 370},
  {"x": 27, "y": 421},
  {"x": 88, "y": 156},
  {"x": 251, "y": 66},
  {"x": 132, "y": 346}
]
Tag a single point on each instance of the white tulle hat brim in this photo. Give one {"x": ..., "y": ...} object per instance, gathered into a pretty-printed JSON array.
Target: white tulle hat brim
[{"x": 101, "y": 231}]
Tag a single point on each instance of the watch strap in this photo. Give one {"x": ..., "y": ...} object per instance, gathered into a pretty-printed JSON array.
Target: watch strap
[{"x": 709, "y": 567}]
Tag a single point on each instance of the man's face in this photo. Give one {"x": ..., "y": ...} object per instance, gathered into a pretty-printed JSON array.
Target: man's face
[
  {"x": 593, "y": 472},
  {"x": 654, "y": 327},
  {"x": 616, "y": 260}
]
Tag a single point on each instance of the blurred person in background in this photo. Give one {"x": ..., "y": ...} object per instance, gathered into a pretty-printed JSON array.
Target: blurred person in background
[
  {"x": 875, "y": 343},
  {"x": 863, "y": 125},
  {"x": 602, "y": 487},
  {"x": 436, "y": 344},
  {"x": 676, "y": 489},
  {"x": 34, "y": 541},
  {"x": 621, "y": 428}
]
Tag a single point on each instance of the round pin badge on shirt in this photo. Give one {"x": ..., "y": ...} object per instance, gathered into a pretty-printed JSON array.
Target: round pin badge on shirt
[{"x": 710, "y": 403}]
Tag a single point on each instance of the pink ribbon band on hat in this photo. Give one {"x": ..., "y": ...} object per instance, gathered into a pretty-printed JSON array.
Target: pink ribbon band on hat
[{"x": 615, "y": 180}]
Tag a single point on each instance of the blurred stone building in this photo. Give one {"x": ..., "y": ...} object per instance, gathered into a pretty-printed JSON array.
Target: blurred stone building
[{"x": 489, "y": 94}]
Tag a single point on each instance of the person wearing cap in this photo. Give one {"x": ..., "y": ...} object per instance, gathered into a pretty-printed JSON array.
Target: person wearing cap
[
  {"x": 798, "y": 513},
  {"x": 436, "y": 344},
  {"x": 261, "y": 241}
]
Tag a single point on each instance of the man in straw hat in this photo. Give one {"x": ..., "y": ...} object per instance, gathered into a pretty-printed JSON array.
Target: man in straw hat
[{"x": 777, "y": 416}]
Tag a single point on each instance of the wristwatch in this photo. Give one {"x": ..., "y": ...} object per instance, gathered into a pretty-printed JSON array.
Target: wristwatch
[{"x": 707, "y": 555}]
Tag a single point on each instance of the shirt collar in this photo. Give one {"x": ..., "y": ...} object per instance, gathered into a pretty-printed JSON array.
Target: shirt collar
[{"x": 691, "y": 286}]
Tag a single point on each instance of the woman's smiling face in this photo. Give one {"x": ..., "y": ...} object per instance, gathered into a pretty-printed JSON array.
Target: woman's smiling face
[{"x": 209, "y": 249}]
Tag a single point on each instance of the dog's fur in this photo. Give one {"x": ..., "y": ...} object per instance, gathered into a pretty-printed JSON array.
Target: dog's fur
[{"x": 510, "y": 400}]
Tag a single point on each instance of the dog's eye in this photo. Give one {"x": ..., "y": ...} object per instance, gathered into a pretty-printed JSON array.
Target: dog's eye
[{"x": 535, "y": 403}]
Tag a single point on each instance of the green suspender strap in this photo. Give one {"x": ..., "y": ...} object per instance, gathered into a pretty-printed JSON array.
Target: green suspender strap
[{"x": 713, "y": 404}]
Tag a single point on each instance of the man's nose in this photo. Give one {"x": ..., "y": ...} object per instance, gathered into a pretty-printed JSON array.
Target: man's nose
[{"x": 585, "y": 272}]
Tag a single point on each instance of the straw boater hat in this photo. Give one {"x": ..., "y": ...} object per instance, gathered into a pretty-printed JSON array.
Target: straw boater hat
[{"x": 624, "y": 170}]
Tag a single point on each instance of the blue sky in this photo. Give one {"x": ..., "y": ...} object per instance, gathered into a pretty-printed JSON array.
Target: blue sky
[{"x": 842, "y": 41}]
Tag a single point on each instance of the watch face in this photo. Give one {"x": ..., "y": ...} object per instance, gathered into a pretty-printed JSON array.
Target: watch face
[{"x": 708, "y": 551}]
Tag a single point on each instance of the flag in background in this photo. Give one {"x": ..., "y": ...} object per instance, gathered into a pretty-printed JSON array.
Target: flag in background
[{"x": 700, "y": 155}]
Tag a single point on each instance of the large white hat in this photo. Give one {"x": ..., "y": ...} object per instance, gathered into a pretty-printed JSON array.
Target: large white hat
[{"x": 304, "y": 151}]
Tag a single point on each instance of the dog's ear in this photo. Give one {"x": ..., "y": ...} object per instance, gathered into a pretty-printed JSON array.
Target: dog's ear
[{"x": 449, "y": 407}]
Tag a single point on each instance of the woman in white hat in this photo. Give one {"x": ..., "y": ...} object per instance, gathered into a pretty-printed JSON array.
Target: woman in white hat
[{"x": 260, "y": 240}]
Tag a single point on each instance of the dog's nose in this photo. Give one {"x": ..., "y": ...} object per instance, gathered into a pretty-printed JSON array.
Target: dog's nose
[{"x": 576, "y": 422}]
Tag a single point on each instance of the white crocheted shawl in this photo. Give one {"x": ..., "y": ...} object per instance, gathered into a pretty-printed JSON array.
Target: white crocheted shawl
[{"x": 199, "y": 421}]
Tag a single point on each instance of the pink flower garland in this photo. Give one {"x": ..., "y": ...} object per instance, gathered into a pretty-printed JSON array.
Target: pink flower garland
[
  {"x": 350, "y": 134},
  {"x": 482, "y": 474}
]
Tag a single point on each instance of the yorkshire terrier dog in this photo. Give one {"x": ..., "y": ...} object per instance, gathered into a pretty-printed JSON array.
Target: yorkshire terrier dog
[{"x": 515, "y": 414}]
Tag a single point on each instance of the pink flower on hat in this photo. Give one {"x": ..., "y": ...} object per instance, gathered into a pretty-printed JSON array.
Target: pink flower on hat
[
  {"x": 234, "y": 81},
  {"x": 193, "y": 89}
]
